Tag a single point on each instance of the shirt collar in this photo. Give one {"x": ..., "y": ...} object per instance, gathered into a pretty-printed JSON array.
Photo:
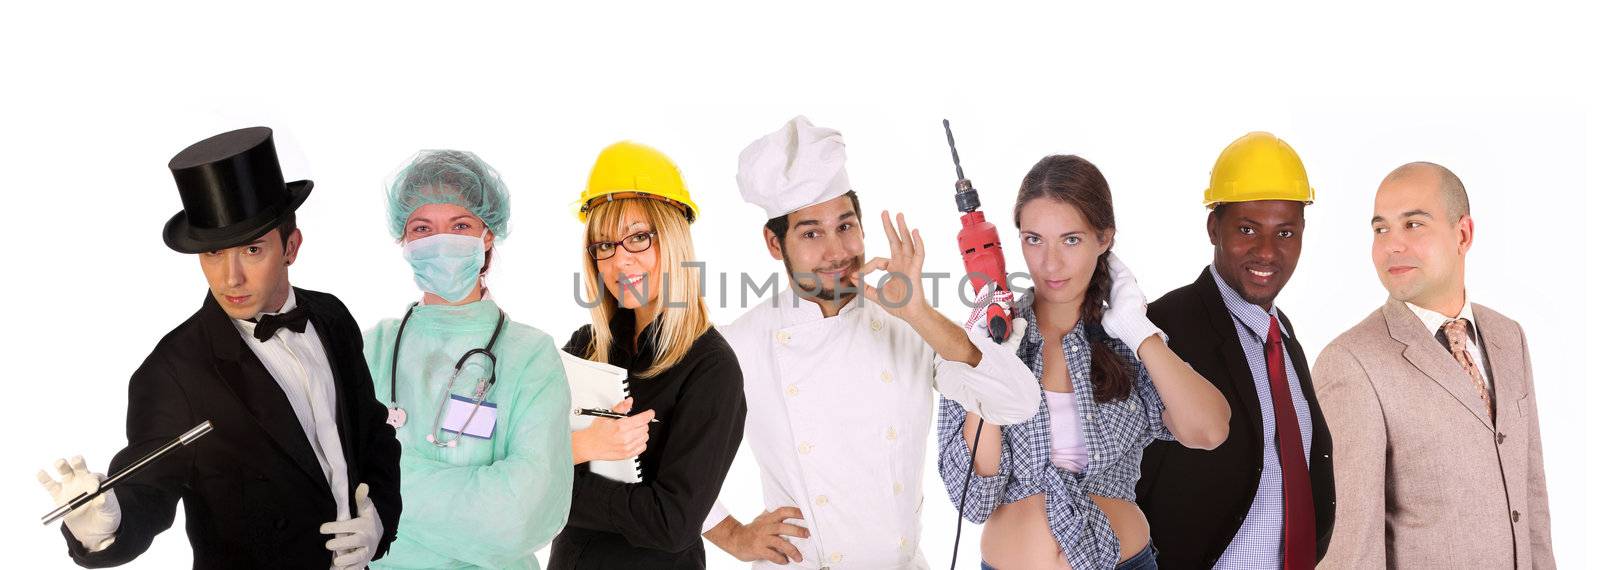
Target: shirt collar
[
  {"x": 1022, "y": 308},
  {"x": 622, "y": 324},
  {"x": 1254, "y": 319},
  {"x": 288, "y": 304},
  {"x": 1432, "y": 320},
  {"x": 249, "y": 325}
]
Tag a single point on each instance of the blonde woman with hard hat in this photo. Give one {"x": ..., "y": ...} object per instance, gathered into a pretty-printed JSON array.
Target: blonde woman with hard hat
[{"x": 685, "y": 415}]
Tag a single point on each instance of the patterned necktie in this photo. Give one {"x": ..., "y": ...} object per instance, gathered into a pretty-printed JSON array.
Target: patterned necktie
[
  {"x": 1299, "y": 523},
  {"x": 1456, "y": 333}
]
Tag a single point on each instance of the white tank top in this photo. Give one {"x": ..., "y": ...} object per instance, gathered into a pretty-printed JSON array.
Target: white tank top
[{"x": 1067, "y": 450}]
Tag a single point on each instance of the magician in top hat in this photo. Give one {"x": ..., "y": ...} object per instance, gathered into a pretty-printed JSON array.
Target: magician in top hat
[{"x": 300, "y": 470}]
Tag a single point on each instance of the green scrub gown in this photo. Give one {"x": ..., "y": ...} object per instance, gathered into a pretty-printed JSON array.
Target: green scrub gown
[{"x": 486, "y": 503}]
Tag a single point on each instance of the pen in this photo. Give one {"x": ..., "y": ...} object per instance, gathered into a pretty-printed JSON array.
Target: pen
[{"x": 599, "y": 413}]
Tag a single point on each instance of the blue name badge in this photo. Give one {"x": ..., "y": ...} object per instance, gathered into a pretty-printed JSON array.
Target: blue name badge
[{"x": 482, "y": 424}]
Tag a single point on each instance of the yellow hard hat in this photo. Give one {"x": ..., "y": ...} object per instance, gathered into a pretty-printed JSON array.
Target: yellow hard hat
[
  {"x": 1258, "y": 166},
  {"x": 631, "y": 170}
]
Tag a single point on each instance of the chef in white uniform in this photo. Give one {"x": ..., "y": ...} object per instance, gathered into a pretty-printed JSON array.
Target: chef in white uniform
[{"x": 840, "y": 375}]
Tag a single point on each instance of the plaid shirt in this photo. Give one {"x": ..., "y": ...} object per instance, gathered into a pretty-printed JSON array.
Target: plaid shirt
[{"x": 1115, "y": 435}]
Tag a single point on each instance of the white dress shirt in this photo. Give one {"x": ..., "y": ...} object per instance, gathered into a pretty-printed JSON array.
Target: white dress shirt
[
  {"x": 1432, "y": 320},
  {"x": 299, "y": 364},
  {"x": 839, "y": 414}
]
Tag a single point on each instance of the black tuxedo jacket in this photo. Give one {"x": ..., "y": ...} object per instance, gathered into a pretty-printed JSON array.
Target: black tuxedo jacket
[
  {"x": 1196, "y": 499},
  {"x": 253, "y": 493}
]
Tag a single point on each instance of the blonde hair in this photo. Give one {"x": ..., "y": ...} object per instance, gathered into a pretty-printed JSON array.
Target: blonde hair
[{"x": 681, "y": 322}]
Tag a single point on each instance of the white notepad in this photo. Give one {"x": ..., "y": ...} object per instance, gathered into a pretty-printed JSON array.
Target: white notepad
[{"x": 599, "y": 385}]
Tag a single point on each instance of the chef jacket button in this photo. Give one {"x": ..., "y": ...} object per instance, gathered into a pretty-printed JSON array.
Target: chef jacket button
[
  {"x": 822, "y": 500},
  {"x": 793, "y": 390},
  {"x": 805, "y": 447},
  {"x": 836, "y": 558},
  {"x": 891, "y": 435},
  {"x": 898, "y": 487},
  {"x": 886, "y": 377},
  {"x": 877, "y": 325},
  {"x": 783, "y": 337}
]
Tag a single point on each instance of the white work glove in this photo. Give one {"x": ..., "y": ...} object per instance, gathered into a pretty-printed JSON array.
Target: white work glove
[
  {"x": 978, "y": 322},
  {"x": 94, "y": 524},
  {"x": 355, "y": 540},
  {"x": 1125, "y": 319}
]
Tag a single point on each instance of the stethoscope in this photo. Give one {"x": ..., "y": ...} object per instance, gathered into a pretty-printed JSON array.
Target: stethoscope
[{"x": 397, "y": 416}]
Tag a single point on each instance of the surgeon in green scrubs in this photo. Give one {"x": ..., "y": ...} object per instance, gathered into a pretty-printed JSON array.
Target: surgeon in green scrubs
[{"x": 480, "y": 402}]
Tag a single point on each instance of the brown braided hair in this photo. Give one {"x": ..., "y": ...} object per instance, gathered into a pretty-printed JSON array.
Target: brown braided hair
[{"x": 1074, "y": 181}]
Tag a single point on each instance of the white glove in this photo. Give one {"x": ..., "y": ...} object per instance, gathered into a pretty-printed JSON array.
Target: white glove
[
  {"x": 1126, "y": 319},
  {"x": 355, "y": 540},
  {"x": 977, "y": 324},
  {"x": 94, "y": 524}
]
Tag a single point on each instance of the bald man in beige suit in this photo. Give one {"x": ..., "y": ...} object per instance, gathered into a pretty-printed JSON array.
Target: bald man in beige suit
[{"x": 1430, "y": 402}]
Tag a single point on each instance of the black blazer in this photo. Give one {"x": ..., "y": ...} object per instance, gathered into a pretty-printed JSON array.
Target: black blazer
[
  {"x": 254, "y": 495},
  {"x": 1196, "y": 500}
]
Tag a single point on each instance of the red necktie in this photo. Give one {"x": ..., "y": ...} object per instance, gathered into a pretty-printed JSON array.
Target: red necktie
[{"x": 1299, "y": 524}]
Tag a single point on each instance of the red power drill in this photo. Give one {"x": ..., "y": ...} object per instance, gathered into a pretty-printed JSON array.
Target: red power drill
[
  {"x": 980, "y": 247},
  {"x": 980, "y": 252}
]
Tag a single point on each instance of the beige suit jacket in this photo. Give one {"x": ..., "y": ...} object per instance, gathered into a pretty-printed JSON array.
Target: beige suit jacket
[{"x": 1424, "y": 478}]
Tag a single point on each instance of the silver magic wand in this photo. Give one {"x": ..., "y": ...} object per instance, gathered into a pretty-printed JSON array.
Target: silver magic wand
[{"x": 82, "y": 499}]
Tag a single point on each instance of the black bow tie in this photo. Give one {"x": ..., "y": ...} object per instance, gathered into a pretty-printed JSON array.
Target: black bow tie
[{"x": 294, "y": 320}]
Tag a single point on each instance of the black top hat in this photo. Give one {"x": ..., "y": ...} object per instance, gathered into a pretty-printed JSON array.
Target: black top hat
[{"x": 232, "y": 190}]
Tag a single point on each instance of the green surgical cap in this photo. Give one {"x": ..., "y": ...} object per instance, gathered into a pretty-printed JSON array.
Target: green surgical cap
[{"x": 449, "y": 177}]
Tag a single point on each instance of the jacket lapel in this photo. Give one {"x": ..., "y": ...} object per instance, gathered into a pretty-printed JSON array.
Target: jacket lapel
[
  {"x": 328, "y": 333},
  {"x": 250, "y": 381},
  {"x": 1431, "y": 358},
  {"x": 1227, "y": 337},
  {"x": 1297, "y": 357},
  {"x": 1502, "y": 352}
]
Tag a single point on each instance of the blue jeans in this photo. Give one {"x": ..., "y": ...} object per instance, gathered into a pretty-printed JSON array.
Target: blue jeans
[{"x": 1144, "y": 560}]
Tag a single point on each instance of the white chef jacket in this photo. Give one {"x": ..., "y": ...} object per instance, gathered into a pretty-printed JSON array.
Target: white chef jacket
[{"x": 839, "y": 414}]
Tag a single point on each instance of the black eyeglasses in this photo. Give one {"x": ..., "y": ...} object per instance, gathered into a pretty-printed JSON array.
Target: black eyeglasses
[{"x": 635, "y": 243}]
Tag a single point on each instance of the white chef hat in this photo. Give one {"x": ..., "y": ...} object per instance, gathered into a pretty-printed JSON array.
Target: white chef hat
[{"x": 797, "y": 166}]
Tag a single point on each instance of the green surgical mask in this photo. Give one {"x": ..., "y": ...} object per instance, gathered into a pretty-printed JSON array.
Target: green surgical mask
[{"x": 447, "y": 265}]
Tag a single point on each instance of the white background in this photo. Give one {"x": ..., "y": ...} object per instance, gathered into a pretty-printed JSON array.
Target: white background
[{"x": 97, "y": 98}]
